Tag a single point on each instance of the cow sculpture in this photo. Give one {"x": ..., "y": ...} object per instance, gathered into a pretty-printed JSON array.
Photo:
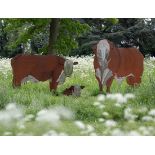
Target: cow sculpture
[
  {"x": 111, "y": 62},
  {"x": 74, "y": 90},
  {"x": 41, "y": 68}
]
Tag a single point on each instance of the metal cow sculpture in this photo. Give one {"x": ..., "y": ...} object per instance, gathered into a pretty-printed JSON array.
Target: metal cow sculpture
[
  {"x": 111, "y": 62},
  {"x": 41, "y": 68}
]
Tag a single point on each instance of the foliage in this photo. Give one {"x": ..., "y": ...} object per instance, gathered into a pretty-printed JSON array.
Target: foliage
[
  {"x": 36, "y": 33},
  {"x": 124, "y": 32}
]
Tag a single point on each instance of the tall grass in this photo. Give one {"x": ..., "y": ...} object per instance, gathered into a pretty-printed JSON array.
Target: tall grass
[{"x": 91, "y": 114}]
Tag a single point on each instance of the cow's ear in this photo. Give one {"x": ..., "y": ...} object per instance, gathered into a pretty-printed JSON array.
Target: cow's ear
[
  {"x": 82, "y": 87},
  {"x": 75, "y": 63}
]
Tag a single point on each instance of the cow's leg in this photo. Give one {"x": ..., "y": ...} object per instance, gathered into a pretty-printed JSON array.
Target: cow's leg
[
  {"x": 16, "y": 82},
  {"x": 54, "y": 83},
  {"x": 100, "y": 85},
  {"x": 98, "y": 77},
  {"x": 108, "y": 84},
  {"x": 53, "y": 86}
]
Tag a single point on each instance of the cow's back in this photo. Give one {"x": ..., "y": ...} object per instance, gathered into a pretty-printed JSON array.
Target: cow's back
[
  {"x": 37, "y": 65},
  {"x": 131, "y": 60}
]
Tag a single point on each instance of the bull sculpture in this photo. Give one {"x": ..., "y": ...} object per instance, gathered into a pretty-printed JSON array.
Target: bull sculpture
[
  {"x": 41, "y": 68},
  {"x": 111, "y": 62}
]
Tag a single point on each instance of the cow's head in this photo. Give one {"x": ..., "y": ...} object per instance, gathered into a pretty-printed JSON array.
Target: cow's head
[
  {"x": 68, "y": 70},
  {"x": 102, "y": 53},
  {"x": 68, "y": 67},
  {"x": 73, "y": 90}
]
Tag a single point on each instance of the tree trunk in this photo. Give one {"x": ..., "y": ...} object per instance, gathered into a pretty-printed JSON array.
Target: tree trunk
[{"x": 54, "y": 31}]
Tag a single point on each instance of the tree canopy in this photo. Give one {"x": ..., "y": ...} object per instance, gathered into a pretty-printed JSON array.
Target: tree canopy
[{"x": 74, "y": 36}]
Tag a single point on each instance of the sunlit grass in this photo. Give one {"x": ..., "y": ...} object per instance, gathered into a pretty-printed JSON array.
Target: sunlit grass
[{"x": 107, "y": 119}]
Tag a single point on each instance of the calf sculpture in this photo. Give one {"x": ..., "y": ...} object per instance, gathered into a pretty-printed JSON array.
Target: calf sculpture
[
  {"x": 41, "y": 68},
  {"x": 111, "y": 62},
  {"x": 74, "y": 90}
]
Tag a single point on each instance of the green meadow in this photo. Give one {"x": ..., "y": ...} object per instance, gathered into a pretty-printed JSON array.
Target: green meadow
[{"x": 34, "y": 110}]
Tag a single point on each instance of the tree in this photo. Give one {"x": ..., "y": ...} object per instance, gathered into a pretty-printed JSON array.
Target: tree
[
  {"x": 60, "y": 34},
  {"x": 124, "y": 32},
  {"x": 53, "y": 33}
]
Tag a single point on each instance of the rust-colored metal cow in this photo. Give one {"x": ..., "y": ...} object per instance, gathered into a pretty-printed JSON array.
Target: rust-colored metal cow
[
  {"x": 111, "y": 62},
  {"x": 41, "y": 68}
]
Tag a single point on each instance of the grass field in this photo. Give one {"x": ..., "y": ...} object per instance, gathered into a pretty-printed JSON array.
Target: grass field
[{"x": 33, "y": 110}]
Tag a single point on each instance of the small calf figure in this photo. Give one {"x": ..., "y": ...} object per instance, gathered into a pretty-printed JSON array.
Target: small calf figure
[{"x": 73, "y": 90}]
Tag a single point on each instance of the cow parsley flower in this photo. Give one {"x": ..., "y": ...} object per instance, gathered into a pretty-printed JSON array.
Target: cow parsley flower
[
  {"x": 54, "y": 115},
  {"x": 152, "y": 112},
  {"x": 100, "y": 98},
  {"x": 118, "y": 97},
  {"x": 80, "y": 125},
  {"x": 128, "y": 114},
  {"x": 110, "y": 123},
  {"x": 117, "y": 132},
  {"x": 147, "y": 118}
]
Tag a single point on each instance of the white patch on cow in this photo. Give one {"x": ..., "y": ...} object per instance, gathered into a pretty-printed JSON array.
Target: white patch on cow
[
  {"x": 120, "y": 79},
  {"x": 98, "y": 73},
  {"x": 103, "y": 73},
  {"x": 68, "y": 67},
  {"x": 106, "y": 75},
  {"x": 76, "y": 91},
  {"x": 29, "y": 78},
  {"x": 61, "y": 78},
  {"x": 103, "y": 49}
]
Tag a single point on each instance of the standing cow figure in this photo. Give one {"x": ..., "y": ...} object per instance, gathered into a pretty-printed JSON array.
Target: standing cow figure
[
  {"x": 111, "y": 62},
  {"x": 41, "y": 68}
]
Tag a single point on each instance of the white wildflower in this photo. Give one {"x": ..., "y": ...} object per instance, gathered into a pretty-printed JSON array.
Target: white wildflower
[
  {"x": 118, "y": 97},
  {"x": 93, "y": 134},
  {"x": 54, "y": 115},
  {"x": 117, "y": 132},
  {"x": 110, "y": 123},
  {"x": 101, "y": 119},
  {"x": 11, "y": 113},
  {"x": 128, "y": 114},
  {"x": 101, "y": 106},
  {"x": 143, "y": 109},
  {"x": 129, "y": 95},
  {"x": 28, "y": 117},
  {"x": 118, "y": 105},
  {"x": 63, "y": 134},
  {"x": 152, "y": 112},
  {"x": 147, "y": 118},
  {"x": 20, "y": 124},
  {"x": 105, "y": 113},
  {"x": 51, "y": 133},
  {"x": 80, "y": 125},
  {"x": 144, "y": 130},
  {"x": 90, "y": 128},
  {"x": 7, "y": 133},
  {"x": 97, "y": 104},
  {"x": 133, "y": 133},
  {"x": 100, "y": 98}
]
